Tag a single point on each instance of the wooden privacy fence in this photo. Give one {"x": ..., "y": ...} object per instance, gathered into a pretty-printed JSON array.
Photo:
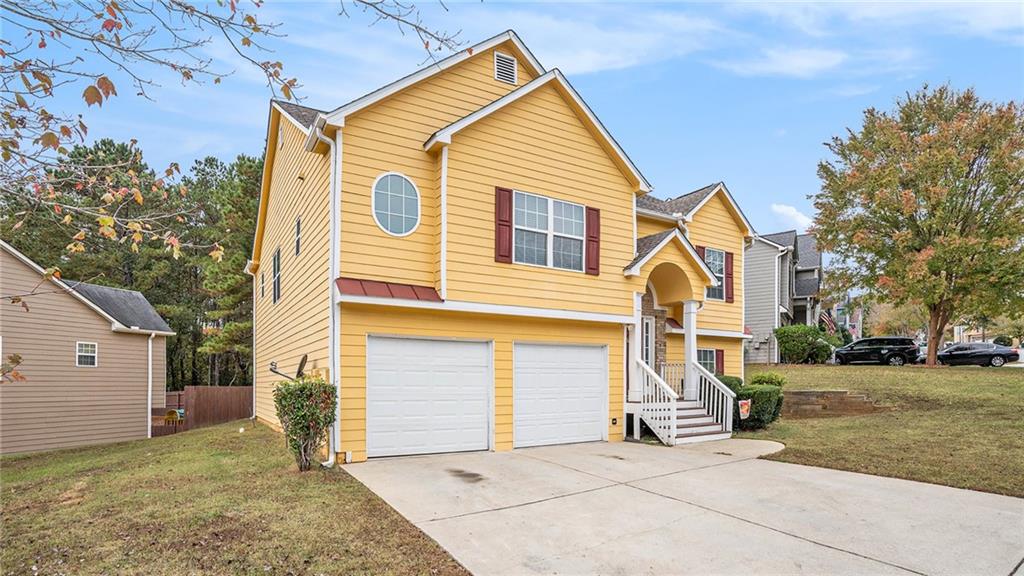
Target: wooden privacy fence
[{"x": 205, "y": 406}]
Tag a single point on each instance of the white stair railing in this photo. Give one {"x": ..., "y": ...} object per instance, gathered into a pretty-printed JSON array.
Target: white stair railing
[
  {"x": 716, "y": 397},
  {"x": 657, "y": 404},
  {"x": 672, "y": 373}
]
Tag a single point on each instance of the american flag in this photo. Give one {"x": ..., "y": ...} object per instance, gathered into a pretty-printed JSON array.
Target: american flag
[{"x": 826, "y": 319}]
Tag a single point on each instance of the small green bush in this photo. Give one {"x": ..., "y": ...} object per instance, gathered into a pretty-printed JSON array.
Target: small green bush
[
  {"x": 305, "y": 407},
  {"x": 799, "y": 344},
  {"x": 765, "y": 406},
  {"x": 1003, "y": 340},
  {"x": 768, "y": 379},
  {"x": 732, "y": 382}
]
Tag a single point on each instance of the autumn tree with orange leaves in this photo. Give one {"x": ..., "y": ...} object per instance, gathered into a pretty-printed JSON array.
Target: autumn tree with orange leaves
[{"x": 924, "y": 205}]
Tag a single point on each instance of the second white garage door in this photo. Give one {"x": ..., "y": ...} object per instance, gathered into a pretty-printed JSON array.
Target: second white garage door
[
  {"x": 426, "y": 396},
  {"x": 560, "y": 394}
]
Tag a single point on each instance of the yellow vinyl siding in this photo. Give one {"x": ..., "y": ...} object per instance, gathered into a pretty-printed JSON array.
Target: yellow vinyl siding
[
  {"x": 538, "y": 145},
  {"x": 675, "y": 350},
  {"x": 297, "y": 324},
  {"x": 360, "y": 321},
  {"x": 389, "y": 136},
  {"x": 714, "y": 226},
  {"x": 646, "y": 226},
  {"x": 672, "y": 253}
]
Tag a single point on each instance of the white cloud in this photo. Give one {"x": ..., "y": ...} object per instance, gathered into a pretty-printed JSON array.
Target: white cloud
[
  {"x": 795, "y": 62},
  {"x": 790, "y": 216}
]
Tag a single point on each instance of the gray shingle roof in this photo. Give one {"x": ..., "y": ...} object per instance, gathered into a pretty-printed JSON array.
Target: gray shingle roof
[
  {"x": 681, "y": 204},
  {"x": 304, "y": 114},
  {"x": 128, "y": 307},
  {"x": 807, "y": 251},
  {"x": 805, "y": 287},
  {"x": 646, "y": 244},
  {"x": 787, "y": 238}
]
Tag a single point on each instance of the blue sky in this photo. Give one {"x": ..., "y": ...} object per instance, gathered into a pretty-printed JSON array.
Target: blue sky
[{"x": 695, "y": 92}]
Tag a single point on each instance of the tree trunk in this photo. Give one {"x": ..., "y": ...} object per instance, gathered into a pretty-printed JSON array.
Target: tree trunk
[{"x": 938, "y": 317}]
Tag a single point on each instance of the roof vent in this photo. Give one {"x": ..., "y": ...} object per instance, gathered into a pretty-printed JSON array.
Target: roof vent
[{"x": 505, "y": 68}]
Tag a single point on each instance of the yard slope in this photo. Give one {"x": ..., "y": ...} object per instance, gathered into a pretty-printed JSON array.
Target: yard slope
[
  {"x": 212, "y": 500},
  {"x": 961, "y": 427}
]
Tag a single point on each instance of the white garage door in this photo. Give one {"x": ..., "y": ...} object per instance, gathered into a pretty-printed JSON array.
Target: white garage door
[
  {"x": 426, "y": 396},
  {"x": 560, "y": 394}
]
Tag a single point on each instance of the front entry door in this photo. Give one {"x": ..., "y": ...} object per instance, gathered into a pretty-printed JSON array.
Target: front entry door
[{"x": 647, "y": 345}]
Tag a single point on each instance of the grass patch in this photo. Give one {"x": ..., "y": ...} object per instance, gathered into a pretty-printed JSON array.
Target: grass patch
[
  {"x": 961, "y": 427},
  {"x": 205, "y": 501}
]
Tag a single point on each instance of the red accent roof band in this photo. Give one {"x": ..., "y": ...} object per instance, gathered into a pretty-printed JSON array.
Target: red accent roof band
[{"x": 378, "y": 289}]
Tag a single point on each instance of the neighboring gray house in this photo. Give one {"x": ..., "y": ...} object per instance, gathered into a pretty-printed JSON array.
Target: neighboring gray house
[
  {"x": 769, "y": 277},
  {"x": 806, "y": 302}
]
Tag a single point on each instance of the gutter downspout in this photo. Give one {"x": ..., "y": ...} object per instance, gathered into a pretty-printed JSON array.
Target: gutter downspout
[
  {"x": 149, "y": 380},
  {"x": 334, "y": 442}
]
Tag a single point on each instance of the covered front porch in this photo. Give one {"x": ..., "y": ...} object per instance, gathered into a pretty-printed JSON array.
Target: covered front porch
[{"x": 672, "y": 390}]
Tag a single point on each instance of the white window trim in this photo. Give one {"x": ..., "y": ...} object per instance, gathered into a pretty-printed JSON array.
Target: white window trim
[
  {"x": 275, "y": 276},
  {"x": 515, "y": 68},
  {"x": 95, "y": 355},
  {"x": 373, "y": 204},
  {"x": 298, "y": 235},
  {"x": 550, "y": 233},
  {"x": 714, "y": 358},
  {"x": 722, "y": 281}
]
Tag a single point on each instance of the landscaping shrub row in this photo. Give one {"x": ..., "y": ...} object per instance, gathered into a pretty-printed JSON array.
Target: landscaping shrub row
[{"x": 765, "y": 394}]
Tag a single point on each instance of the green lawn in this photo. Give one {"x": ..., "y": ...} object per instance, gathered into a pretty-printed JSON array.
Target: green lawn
[
  {"x": 960, "y": 427},
  {"x": 207, "y": 501}
]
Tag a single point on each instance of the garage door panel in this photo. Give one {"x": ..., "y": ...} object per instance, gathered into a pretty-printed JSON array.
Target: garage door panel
[
  {"x": 426, "y": 396},
  {"x": 559, "y": 394}
]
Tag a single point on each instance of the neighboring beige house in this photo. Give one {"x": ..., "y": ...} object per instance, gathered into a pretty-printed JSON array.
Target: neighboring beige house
[{"x": 92, "y": 357}]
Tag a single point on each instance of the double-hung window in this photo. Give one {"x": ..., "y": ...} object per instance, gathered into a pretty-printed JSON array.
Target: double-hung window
[
  {"x": 276, "y": 276},
  {"x": 715, "y": 259},
  {"x": 548, "y": 232},
  {"x": 706, "y": 358},
  {"x": 86, "y": 354}
]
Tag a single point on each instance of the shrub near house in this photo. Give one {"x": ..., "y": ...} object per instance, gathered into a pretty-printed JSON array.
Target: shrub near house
[
  {"x": 765, "y": 395},
  {"x": 799, "y": 344}
]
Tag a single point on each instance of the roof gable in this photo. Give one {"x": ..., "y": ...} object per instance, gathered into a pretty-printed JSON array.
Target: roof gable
[
  {"x": 648, "y": 246},
  {"x": 130, "y": 305},
  {"x": 337, "y": 116},
  {"x": 720, "y": 191},
  {"x": 553, "y": 78}
]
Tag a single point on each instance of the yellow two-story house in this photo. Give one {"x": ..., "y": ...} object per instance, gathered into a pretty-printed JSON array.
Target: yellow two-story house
[{"x": 476, "y": 264}]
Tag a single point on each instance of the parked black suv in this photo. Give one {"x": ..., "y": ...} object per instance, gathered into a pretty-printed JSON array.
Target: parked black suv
[
  {"x": 891, "y": 350},
  {"x": 980, "y": 353}
]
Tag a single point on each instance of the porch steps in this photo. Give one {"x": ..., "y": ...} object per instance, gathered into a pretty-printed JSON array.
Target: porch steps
[{"x": 702, "y": 437}]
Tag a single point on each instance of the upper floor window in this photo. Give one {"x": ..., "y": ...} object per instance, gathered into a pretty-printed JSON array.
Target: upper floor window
[
  {"x": 275, "y": 277},
  {"x": 715, "y": 259},
  {"x": 298, "y": 235},
  {"x": 548, "y": 232},
  {"x": 263, "y": 284},
  {"x": 396, "y": 204},
  {"x": 86, "y": 354}
]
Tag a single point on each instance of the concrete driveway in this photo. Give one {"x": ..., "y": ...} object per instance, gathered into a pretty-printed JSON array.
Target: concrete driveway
[{"x": 712, "y": 508}]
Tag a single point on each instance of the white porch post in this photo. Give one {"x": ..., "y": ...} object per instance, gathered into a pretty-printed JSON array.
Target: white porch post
[
  {"x": 690, "y": 341},
  {"x": 636, "y": 334}
]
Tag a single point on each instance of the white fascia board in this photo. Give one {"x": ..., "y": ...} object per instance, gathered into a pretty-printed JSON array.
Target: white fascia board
[
  {"x": 133, "y": 330},
  {"x": 780, "y": 247},
  {"x": 728, "y": 196},
  {"x": 444, "y": 135},
  {"x": 656, "y": 215},
  {"x": 676, "y": 235},
  {"x": 337, "y": 116},
  {"x": 482, "y": 308},
  {"x": 712, "y": 333}
]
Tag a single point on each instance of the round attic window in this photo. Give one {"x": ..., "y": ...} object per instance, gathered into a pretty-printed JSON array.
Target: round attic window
[{"x": 396, "y": 204}]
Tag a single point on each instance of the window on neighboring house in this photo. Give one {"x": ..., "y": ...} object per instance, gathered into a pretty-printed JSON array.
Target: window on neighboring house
[
  {"x": 548, "y": 232},
  {"x": 396, "y": 204},
  {"x": 706, "y": 358},
  {"x": 715, "y": 259},
  {"x": 298, "y": 235},
  {"x": 86, "y": 354},
  {"x": 275, "y": 277}
]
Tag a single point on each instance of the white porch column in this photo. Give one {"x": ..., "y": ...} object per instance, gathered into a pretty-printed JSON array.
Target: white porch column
[
  {"x": 635, "y": 335},
  {"x": 690, "y": 341}
]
